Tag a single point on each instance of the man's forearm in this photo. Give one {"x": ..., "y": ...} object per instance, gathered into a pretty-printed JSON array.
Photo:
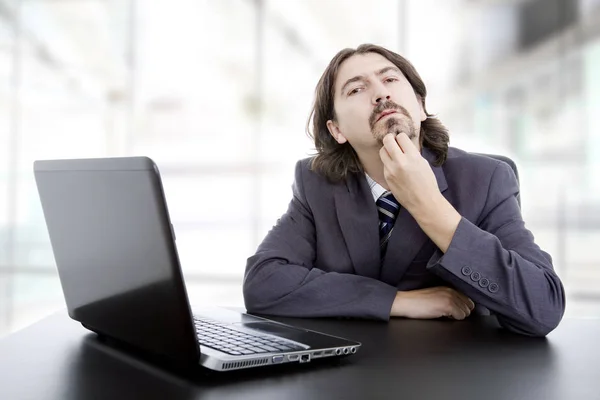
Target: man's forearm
[{"x": 439, "y": 221}]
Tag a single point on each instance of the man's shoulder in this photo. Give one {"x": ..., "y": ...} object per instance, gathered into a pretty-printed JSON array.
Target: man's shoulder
[
  {"x": 472, "y": 162},
  {"x": 312, "y": 182},
  {"x": 475, "y": 170},
  {"x": 306, "y": 172},
  {"x": 311, "y": 185},
  {"x": 304, "y": 168},
  {"x": 305, "y": 163}
]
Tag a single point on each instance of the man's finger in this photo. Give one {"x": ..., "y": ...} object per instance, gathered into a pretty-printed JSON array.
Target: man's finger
[
  {"x": 465, "y": 299},
  {"x": 392, "y": 147},
  {"x": 471, "y": 304},
  {"x": 465, "y": 309},
  {"x": 457, "y": 312},
  {"x": 405, "y": 144},
  {"x": 385, "y": 157}
]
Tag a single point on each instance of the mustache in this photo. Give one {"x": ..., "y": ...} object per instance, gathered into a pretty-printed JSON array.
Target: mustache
[{"x": 387, "y": 105}]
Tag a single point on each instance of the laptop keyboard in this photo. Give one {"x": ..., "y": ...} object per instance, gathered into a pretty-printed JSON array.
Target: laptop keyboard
[{"x": 218, "y": 336}]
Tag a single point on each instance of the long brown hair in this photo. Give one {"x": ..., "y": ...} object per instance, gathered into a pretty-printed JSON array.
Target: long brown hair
[{"x": 335, "y": 161}]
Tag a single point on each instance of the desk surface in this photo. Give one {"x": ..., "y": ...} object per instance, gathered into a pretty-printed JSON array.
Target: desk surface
[{"x": 56, "y": 358}]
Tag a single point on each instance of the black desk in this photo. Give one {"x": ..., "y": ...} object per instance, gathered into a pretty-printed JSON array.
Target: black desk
[{"x": 58, "y": 359}]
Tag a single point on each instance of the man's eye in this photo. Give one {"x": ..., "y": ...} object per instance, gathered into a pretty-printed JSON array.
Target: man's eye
[
  {"x": 391, "y": 79},
  {"x": 354, "y": 91}
]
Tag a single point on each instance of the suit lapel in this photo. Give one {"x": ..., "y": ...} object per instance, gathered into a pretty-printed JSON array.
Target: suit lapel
[
  {"x": 358, "y": 219},
  {"x": 407, "y": 237}
]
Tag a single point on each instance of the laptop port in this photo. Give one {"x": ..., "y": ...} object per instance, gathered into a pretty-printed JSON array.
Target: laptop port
[
  {"x": 317, "y": 354},
  {"x": 338, "y": 352},
  {"x": 293, "y": 357},
  {"x": 346, "y": 351},
  {"x": 277, "y": 359},
  {"x": 328, "y": 352},
  {"x": 304, "y": 358},
  {"x": 353, "y": 350}
]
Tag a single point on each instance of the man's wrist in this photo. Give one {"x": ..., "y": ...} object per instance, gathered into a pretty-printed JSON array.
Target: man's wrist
[
  {"x": 398, "y": 305},
  {"x": 430, "y": 209}
]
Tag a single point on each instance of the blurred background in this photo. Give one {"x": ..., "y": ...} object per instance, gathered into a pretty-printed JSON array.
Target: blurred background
[{"x": 217, "y": 92}]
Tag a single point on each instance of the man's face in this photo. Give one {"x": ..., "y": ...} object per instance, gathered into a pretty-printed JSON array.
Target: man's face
[{"x": 373, "y": 98}]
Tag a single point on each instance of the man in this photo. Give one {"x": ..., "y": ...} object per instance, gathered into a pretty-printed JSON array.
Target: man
[{"x": 388, "y": 221}]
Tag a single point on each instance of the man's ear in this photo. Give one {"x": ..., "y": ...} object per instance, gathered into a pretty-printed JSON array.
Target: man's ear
[
  {"x": 334, "y": 130},
  {"x": 422, "y": 111}
]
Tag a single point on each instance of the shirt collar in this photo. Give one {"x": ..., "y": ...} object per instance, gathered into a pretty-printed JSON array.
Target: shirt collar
[{"x": 376, "y": 189}]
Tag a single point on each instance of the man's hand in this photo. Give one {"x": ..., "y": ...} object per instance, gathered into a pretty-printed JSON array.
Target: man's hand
[
  {"x": 432, "y": 303},
  {"x": 407, "y": 173},
  {"x": 411, "y": 180}
]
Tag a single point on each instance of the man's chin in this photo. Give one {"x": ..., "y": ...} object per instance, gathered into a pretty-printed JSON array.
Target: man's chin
[{"x": 380, "y": 135}]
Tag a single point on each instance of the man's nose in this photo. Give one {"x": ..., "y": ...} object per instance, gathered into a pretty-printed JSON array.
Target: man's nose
[
  {"x": 381, "y": 98},
  {"x": 381, "y": 94}
]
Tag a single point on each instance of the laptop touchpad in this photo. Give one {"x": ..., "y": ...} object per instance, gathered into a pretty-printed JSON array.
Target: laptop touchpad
[
  {"x": 278, "y": 330},
  {"x": 299, "y": 335}
]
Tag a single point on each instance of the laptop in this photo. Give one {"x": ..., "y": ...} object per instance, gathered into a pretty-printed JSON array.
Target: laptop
[{"x": 115, "y": 251}]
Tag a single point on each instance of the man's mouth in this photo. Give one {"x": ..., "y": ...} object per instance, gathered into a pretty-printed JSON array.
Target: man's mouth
[{"x": 385, "y": 114}]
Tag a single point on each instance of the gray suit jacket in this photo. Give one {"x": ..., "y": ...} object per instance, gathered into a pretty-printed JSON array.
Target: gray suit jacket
[{"x": 322, "y": 257}]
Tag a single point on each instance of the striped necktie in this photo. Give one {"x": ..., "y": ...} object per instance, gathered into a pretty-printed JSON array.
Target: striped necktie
[{"x": 387, "y": 208}]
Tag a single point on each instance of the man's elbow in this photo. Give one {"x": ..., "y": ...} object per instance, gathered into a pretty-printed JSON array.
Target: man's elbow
[
  {"x": 553, "y": 312},
  {"x": 253, "y": 289},
  {"x": 252, "y": 296},
  {"x": 256, "y": 296},
  {"x": 253, "y": 303},
  {"x": 551, "y": 319},
  {"x": 538, "y": 326},
  {"x": 537, "y": 329},
  {"x": 548, "y": 316},
  {"x": 533, "y": 329}
]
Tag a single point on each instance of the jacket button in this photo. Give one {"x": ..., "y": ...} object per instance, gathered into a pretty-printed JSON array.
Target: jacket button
[
  {"x": 484, "y": 282},
  {"x": 493, "y": 287},
  {"x": 475, "y": 276},
  {"x": 466, "y": 270}
]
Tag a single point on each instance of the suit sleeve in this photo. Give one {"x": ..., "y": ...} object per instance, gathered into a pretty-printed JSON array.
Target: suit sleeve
[
  {"x": 281, "y": 279},
  {"x": 498, "y": 265}
]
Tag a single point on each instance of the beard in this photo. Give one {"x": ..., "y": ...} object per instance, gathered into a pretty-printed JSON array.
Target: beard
[{"x": 395, "y": 123}]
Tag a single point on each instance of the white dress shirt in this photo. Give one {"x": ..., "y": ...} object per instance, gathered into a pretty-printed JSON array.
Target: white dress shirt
[{"x": 376, "y": 189}]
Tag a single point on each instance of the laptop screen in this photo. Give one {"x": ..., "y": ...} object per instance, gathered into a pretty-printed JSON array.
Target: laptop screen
[{"x": 114, "y": 249}]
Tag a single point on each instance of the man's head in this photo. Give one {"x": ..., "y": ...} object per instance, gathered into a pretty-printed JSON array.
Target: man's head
[{"x": 364, "y": 94}]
